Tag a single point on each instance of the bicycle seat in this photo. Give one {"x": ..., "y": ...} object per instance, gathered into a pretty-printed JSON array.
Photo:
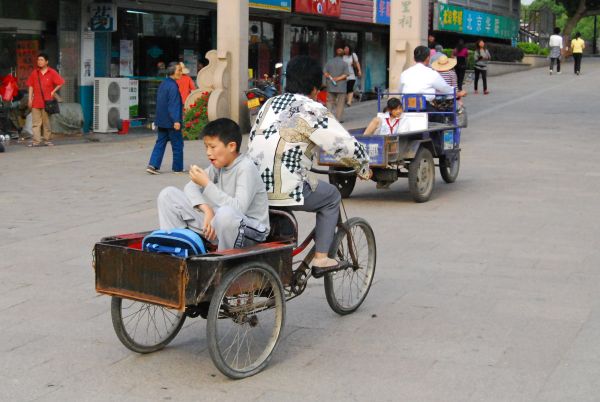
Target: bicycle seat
[{"x": 284, "y": 226}]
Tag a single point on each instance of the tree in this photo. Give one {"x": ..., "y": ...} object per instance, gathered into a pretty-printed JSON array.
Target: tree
[{"x": 576, "y": 10}]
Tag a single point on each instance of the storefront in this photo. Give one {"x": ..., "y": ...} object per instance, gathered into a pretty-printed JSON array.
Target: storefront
[
  {"x": 317, "y": 28},
  {"x": 28, "y": 28}
]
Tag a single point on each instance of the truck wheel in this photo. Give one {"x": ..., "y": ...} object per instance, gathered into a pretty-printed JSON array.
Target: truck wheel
[
  {"x": 343, "y": 182},
  {"x": 449, "y": 167},
  {"x": 421, "y": 175}
]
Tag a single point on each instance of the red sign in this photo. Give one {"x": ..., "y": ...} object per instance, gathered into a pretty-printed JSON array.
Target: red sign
[
  {"x": 330, "y": 8},
  {"x": 27, "y": 51}
]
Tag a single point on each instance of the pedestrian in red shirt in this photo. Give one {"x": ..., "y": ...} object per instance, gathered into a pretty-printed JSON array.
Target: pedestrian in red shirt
[
  {"x": 185, "y": 83},
  {"x": 43, "y": 83}
]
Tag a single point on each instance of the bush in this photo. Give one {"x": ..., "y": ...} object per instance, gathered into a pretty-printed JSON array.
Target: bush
[
  {"x": 502, "y": 52},
  {"x": 470, "y": 58},
  {"x": 529, "y": 48},
  {"x": 195, "y": 118}
]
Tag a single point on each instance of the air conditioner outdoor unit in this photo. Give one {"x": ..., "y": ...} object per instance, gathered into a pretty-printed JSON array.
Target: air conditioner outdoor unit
[{"x": 111, "y": 103}]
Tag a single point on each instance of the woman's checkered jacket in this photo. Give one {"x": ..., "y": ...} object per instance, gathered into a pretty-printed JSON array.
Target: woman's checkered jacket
[{"x": 288, "y": 131}]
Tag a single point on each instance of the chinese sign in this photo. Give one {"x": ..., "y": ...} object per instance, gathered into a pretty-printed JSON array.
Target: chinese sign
[
  {"x": 470, "y": 22},
  {"x": 27, "y": 51},
  {"x": 103, "y": 17},
  {"x": 382, "y": 11},
  {"x": 406, "y": 19},
  {"x": 330, "y": 8},
  {"x": 280, "y": 5}
]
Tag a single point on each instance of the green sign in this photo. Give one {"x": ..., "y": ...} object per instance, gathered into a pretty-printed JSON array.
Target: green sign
[{"x": 458, "y": 19}]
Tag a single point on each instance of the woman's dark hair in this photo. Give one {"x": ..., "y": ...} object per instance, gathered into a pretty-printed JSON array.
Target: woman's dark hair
[
  {"x": 172, "y": 67},
  {"x": 578, "y": 34},
  {"x": 421, "y": 53},
  {"x": 477, "y": 44},
  {"x": 226, "y": 130},
  {"x": 349, "y": 48},
  {"x": 556, "y": 30},
  {"x": 303, "y": 74},
  {"x": 460, "y": 45},
  {"x": 392, "y": 103}
]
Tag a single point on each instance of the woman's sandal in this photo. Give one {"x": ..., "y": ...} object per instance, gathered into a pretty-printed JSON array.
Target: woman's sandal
[
  {"x": 33, "y": 145},
  {"x": 49, "y": 144}
]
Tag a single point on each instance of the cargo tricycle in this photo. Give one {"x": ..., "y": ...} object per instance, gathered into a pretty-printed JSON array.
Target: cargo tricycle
[
  {"x": 242, "y": 293},
  {"x": 409, "y": 154}
]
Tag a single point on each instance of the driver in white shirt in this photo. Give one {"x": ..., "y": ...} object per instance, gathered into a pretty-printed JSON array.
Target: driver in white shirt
[{"x": 421, "y": 79}]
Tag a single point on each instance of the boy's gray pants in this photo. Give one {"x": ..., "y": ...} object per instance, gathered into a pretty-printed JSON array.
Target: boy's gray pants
[{"x": 234, "y": 229}]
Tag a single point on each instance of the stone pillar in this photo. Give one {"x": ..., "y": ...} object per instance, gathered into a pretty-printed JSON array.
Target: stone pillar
[
  {"x": 232, "y": 37},
  {"x": 408, "y": 29}
]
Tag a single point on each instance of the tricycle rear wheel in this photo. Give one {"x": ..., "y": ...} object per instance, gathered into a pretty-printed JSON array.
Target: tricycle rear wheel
[
  {"x": 449, "y": 167},
  {"x": 343, "y": 182},
  {"x": 421, "y": 175},
  {"x": 144, "y": 327},
  {"x": 245, "y": 320},
  {"x": 347, "y": 289}
]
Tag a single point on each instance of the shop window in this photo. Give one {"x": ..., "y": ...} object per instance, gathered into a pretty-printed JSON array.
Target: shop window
[
  {"x": 306, "y": 41},
  {"x": 264, "y": 48}
]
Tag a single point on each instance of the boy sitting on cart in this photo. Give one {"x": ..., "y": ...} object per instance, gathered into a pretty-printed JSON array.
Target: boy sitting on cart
[{"x": 227, "y": 202}]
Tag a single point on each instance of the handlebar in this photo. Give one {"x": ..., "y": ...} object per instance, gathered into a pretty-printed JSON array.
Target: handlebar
[{"x": 341, "y": 172}]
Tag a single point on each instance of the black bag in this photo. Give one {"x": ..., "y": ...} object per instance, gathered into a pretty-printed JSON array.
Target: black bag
[{"x": 50, "y": 106}]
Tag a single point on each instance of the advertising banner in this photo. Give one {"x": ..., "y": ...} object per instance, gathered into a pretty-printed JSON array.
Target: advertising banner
[
  {"x": 27, "y": 51},
  {"x": 382, "y": 11},
  {"x": 457, "y": 19},
  {"x": 103, "y": 17},
  {"x": 280, "y": 5},
  {"x": 329, "y": 8}
]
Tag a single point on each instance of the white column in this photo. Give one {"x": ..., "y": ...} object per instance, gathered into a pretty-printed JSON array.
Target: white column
[
  {"x": 232, "y": 37},
  {"x": 408, "y": 29}
]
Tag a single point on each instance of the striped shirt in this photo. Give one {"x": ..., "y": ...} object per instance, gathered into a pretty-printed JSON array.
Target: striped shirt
[{"x": 450, "y": 77}]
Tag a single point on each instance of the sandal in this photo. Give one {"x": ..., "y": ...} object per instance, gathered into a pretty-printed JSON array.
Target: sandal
[
  {"x": 33, "y": 145},
  {"x": 49, "y": 144}
]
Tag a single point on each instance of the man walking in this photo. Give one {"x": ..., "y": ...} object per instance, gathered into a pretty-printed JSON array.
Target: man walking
[
  {"x": 336, "y": 73},
  {"x": 43, "y": 83},
  {"x": 169, "y": 109},
  {"x": 555, "y": 44}
]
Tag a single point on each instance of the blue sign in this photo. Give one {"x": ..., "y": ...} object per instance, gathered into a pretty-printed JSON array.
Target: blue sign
[
  {"x": 382, "y": 11},
  {"x": 375, "y": 145},
  {"x": 281, "y": 5}
]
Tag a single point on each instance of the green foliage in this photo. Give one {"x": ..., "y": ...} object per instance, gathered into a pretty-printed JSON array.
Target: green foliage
[
  {"x": 533, "y": 48},
  {"x": 563, "y": 9},
  {"x": 195, "y": 118}
]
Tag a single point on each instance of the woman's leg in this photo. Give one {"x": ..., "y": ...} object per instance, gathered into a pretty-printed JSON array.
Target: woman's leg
[
  {"x": 484, "y": 79},
  {"x": 349, "y": 91},
  {"x": 558, "y": 64},
  {"x": 460, "y": 77},
  {"x": 477, "y": 71}
]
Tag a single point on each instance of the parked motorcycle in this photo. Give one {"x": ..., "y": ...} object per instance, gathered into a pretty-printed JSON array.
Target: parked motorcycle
[{"x": 264, "y": 89}]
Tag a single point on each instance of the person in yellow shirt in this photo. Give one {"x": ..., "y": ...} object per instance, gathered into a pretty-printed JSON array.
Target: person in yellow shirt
[{"x": 577, "y": 46}]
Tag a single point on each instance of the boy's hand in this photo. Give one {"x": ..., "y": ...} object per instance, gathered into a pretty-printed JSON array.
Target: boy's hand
[
  {"x": 199, "y": 176},
  {"x": 209, "y": 231}
]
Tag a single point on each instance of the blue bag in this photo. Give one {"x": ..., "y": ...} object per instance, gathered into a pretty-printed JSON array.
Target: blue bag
[{"x": 176, "y": 242}]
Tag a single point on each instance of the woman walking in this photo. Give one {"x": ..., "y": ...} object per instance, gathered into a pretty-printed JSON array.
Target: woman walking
[
  {"x": 482, "y": 56},
  {"x": 354, "y": 73},
  {"x": 556, "y": 44},
  {"x": 577, "y": 46},
  {"x": 461, "y": 54}
]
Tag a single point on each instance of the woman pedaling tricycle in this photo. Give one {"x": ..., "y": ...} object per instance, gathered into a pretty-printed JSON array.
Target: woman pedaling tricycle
[{"x": 242, "y": 291}]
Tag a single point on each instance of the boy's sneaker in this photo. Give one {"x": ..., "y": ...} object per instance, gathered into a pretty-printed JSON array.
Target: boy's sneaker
[
  {"x": 550, "y": 72},
  {"x": 152, "y": 170}
]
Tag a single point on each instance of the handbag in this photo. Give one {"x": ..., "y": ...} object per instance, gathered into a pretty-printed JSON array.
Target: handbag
[{"x": 50, "y": 106}]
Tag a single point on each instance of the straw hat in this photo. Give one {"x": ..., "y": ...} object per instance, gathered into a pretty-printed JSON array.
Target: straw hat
[
  {"x": 184, "y": 69},
  {"x": 443, "y": 63}
]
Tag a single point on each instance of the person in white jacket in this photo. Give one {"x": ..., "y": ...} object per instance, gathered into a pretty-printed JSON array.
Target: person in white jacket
[{"x": 556, "y": 44}]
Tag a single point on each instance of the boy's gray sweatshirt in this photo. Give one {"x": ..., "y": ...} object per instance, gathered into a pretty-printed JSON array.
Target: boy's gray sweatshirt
[{"x": 238, "y": 186}]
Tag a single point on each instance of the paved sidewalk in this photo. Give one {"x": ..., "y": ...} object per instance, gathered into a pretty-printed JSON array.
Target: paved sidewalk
[{"x": 488, "y": 292}]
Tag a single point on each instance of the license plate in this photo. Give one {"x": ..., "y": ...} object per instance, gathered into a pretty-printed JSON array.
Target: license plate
[{"x": 253, "y": 103}]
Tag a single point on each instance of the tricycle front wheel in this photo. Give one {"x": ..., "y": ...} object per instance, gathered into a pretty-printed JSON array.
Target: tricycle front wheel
[
  {"x": 245, "y": 320},
  {"x": 421, "y": 175},
  {"x": 355, "y": 243},
  {"x": 144, "y": 327},
  {"x": 449, "y": 167}
]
